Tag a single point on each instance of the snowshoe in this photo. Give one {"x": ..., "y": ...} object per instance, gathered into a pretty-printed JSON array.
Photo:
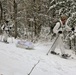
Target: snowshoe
[
  {"x": 5, "y": 41},
  {"x": 53, "y": 52},
  {"x": 66, "y": 56}
]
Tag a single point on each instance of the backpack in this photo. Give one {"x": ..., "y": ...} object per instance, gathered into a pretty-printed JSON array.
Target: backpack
[
  {"x": 52, "y": 27},
  {"x": 54, "y": 34}
]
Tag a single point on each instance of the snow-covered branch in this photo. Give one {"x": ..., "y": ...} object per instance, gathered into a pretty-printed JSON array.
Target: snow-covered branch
[
  {"x": 44, "y": 15},
  {"x": 51, "y": 1},
  {"x": 59, "y": 3}
]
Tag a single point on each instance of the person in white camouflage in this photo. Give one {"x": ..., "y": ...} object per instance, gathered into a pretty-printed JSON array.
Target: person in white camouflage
[
  {"x": 5, "y": 30},
  {"x": 59, "y": 28}
]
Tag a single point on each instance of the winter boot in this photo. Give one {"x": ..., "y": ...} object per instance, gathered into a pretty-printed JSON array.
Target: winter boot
[
  {"x": 65, "y": 56},
  {"x": 5, "y": 41},
  {"x": 53, "y": 52}
]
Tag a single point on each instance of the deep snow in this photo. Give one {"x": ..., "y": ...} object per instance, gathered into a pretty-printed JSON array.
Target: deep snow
[{"x": 18, "y": 61}]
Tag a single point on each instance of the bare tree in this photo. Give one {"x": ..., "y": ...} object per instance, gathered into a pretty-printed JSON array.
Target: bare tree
[{"x": 15, "y": 18}]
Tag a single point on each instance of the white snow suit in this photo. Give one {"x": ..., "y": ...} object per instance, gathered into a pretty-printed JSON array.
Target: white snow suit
[
  {"x": 5, "y": 32},
  {"x": 59, "y": 39}
]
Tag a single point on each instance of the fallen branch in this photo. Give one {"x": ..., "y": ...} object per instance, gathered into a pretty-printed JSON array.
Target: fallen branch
[{"x": 33, "y": 67}]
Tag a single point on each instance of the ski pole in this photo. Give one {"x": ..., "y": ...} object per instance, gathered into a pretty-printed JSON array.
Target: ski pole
[{"x": 52, "y": 45}]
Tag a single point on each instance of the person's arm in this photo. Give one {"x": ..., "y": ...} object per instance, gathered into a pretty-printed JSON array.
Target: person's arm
[
  {"x": 68, "y": 28},
  {"x": 2, "y": 28}
]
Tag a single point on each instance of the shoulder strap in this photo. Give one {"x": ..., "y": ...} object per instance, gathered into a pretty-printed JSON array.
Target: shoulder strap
[{"x": 60, "y": 25}]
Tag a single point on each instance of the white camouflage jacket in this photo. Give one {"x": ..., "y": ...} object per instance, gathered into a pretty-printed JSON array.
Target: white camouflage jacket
[{"x": 60, "y": 27}]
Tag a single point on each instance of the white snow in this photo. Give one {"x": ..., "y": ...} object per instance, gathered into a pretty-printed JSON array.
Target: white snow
[{"x": 18, "y": 61}]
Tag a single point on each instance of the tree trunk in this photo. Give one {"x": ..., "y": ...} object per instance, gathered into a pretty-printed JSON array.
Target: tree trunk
[
  {"x": 1, "y": 15},
  {"x": 1, "y": 12},
  {"x": 15, "y": 18}
]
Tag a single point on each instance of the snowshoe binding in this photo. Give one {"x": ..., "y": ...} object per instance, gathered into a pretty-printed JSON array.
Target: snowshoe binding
[{"x": 66, "y": 56}]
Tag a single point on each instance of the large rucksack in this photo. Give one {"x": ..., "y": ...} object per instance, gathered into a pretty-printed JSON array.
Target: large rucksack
[
  {"x": 52, "y": 27},
  {"x": 54, "y": 34}
]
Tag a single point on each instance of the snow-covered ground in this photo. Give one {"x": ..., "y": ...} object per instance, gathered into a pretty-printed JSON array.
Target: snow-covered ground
[{"x": 18, "y": 61}]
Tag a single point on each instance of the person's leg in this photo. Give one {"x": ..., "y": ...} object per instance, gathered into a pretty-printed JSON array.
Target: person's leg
[
  {"x": 55, "y": 44},
  {"x": 5, "y": 37},
  {"x": 61, "y": 46},
  {"x": 63, "y": 54}
]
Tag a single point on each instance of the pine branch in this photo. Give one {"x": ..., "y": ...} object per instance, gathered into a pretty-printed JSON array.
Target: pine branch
[{"x": 55, "y": 5}]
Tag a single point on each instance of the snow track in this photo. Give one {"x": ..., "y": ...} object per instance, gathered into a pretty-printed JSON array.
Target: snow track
[{"x": 17, "y": 61}]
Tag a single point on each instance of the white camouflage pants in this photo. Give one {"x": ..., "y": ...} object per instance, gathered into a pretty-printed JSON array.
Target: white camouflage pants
[
  {"x": 5, "y": 34},
  {"x": 59, "y": 42}
]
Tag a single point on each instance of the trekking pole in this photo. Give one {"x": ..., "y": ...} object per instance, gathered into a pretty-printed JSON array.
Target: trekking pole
[{"x": 52, "y": 44}]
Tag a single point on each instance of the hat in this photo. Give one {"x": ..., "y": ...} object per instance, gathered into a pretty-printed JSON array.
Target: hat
[{"x": 63, "y": 17}]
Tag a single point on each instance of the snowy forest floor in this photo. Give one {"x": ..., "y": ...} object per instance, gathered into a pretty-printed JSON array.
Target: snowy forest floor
[{"x": 18, "y": 61}]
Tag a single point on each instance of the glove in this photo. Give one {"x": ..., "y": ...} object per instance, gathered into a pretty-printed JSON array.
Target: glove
[
  {"x": 73, "y": 29},
  {"x": 8, "y": 30},
  {"x": 60, "y": 32}
]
